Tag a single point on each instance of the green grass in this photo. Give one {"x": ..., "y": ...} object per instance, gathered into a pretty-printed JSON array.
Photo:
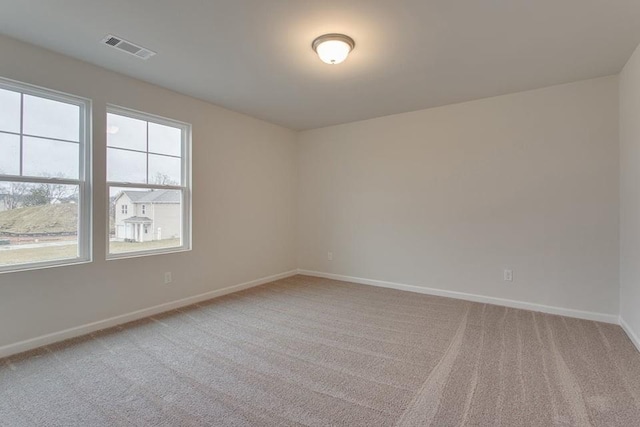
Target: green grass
[
  {"x": 50, "y": 253},
  {"x": 59, "y": 218},
  {"x": 124, "y": 247},
  {"x": 29, "y": 255}
]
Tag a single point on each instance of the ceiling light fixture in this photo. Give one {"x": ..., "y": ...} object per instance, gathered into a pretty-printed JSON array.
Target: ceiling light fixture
[{"x": 333, "y": 48}]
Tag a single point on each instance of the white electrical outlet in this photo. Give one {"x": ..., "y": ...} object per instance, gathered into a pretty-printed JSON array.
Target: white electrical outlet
[
  {"x": 167, "y": 278},
  {"x": 330, "y": 256},
  {"x": 508, "y": 275}
]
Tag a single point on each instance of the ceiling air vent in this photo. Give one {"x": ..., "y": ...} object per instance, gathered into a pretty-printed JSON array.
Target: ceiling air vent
[{"x": 128, "y": 47}]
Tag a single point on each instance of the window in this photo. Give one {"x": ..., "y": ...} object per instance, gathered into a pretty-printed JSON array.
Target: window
[
  {"x": 45, "y": 194},
  {"x": 148, "y": 168}
]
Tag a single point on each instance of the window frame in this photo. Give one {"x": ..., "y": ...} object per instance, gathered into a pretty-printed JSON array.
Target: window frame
[
  {"x": 184, "y": 188},
  {"x": 85, "y": 175}
]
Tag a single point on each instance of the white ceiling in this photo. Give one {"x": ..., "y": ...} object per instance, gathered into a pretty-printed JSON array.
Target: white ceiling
[{"x": 254, "y": 56}]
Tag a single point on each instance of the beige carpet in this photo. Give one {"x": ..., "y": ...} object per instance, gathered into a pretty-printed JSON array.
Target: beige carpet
[{"x": 308, "y": 351}]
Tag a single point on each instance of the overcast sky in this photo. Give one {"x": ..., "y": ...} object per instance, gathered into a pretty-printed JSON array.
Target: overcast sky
[
  {"x": 129, "y": 166},
  {"x": 46, "y": 118},
  {"x": 43, "y": 118}
]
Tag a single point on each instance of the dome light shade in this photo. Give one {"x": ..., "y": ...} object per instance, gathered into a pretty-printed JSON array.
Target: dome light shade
[{"x": 333, "y": 48}]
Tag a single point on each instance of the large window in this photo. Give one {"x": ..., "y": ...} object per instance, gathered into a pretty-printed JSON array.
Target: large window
[
  {"x": 148, "y": 176},
  {"x": 45, "y": 194}
]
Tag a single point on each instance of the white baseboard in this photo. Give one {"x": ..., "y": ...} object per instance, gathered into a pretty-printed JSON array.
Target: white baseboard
[
  {"x": 588, "y": 315},
  {"x": 630, "y": 333},
  {"x": 77, "y": 331}
]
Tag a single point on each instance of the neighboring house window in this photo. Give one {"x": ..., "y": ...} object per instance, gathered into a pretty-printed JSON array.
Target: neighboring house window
[
  {"x": 44, "y": 177},
  {"x": 148, "y": 163},
  {"x": 125, "y": 209}
]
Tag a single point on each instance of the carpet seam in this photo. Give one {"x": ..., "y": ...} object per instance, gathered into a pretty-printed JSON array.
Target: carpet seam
[{"x": 456, "y": 341}]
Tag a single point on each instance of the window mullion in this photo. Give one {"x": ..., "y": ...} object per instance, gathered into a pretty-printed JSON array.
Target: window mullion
[
  {"x": 147, "y": 154},
  {"x": 145, "y": 186},
  {"x": 21, "y": 130},
  {"x": 39, "y": 180}
]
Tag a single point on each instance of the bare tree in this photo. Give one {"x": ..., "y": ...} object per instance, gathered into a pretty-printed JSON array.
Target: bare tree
[
  {"x": 47, "y": 194},
  {"x": 15, "y": 194},
  {"x": 62, "y": 193},
  {"x": 163, "y": 179}
]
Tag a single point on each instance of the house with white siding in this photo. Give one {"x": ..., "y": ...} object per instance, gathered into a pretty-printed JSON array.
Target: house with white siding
[{"x": 142, "y": 216}]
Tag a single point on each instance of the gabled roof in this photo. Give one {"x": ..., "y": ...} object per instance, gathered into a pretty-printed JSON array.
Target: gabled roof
[{"x": 153, "y": 196}]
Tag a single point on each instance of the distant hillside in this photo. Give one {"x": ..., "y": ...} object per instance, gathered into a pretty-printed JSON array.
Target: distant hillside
[{"x": 59, "y": 218}]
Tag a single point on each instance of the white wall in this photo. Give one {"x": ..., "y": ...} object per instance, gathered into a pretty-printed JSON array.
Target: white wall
[
  {"x": 244, "y": 205},
  {"x": 630, "y": 196},
  {"x": 443, "y": 198},
  {"x": 448, "y": 197}
]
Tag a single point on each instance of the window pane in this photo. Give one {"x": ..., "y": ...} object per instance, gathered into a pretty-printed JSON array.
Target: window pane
[
  {"x": 164, "y": 170},
  {"x": 130, "y": 230},
  {"x": 52, "y": 119},
  {"x": 49, "y": 158},
  {"x": 38, "y": 222},
  {"x": 9, "y": 154},
  {"x": 126, "y": 166},
  {"x": 125, "y": 132},
  {"x": 165, "y": 140},
  {"x": 9, "y": 111}
]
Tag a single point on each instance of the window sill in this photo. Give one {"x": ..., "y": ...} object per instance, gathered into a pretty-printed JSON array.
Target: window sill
[
  {"x": 126, "y": 255},
  {"x": 43, "y": 265}
]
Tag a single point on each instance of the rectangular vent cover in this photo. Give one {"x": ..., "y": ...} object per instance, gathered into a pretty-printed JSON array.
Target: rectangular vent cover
[{"x": 128, "y": 47}]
